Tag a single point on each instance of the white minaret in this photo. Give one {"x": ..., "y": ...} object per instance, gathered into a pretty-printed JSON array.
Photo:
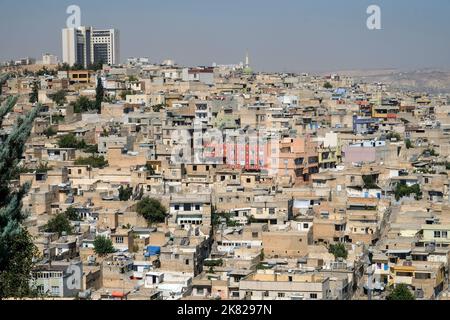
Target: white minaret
[{"x": 247, "y": 61}]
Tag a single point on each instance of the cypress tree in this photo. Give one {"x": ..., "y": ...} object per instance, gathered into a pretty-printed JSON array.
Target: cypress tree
[
  {"x": 99, "y": 94},
  {"x": 7, "y": 106},
  {"x": 17, "y": 249}
]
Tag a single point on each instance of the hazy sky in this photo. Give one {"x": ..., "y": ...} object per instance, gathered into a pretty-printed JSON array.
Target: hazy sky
[{"x": 281, "y": 35}]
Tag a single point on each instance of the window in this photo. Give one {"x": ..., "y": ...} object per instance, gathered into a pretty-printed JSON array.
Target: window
[
  {"x": 177, "y": 207},
  {"x": 266, "y": 294},
  {"x": 194, "y": 168},
  {"x": 281, "y": 295},
  {"x": 422, "y": 275},
  {"x": 55, "y": 290},
  {"x": 200, "y": 291},
  {"x": 187, "y": 207},
  {"x": 79, "y": 171},
  {"x": 313, "y": 295},
  {"x": 248, "y": 180},
  {"x": 404, "y": 274},
  {"x": 272, "y": 211},
  {"x": 437, "y": 234},
  {"x": 444, "y": 234},
  {"x": 197, "y": 207},
  {"x": 186, "y": 262},
  {"x": 40, "y": 288},
  {"x": 119, "y": 239},
  {"x": 305, "y": 226},
  {"x": 254, "y": 234}
]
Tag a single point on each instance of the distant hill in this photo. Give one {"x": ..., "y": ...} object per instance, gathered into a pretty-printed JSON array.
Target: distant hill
[{"x": 427, "y": 80}]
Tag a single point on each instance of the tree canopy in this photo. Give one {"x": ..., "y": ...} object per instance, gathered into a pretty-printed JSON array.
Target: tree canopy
[
  {"x": 83, "y": 104},
  {"x": 400, "y": 292},
  {"x": 59, "y": 224},
  {"x": 72, "y": 214},
  {"x": 17, "y": 249},
  {"x": 70, "y": 141},
  {"x": 59, "y": 97},
  {"x": 152, "y": 210},
  {"x": 338, "y": 250},
  {"x": 103, "y": 246},
  {"x": 402, "y": 190},
  {"x": 327, "y": 85},
  {"x": 125, "y": 193},
  {"x": 93, "y": 161}
]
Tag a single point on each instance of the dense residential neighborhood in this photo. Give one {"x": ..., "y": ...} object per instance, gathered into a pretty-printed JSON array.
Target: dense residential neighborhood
[{"x": 156, "y": 181}]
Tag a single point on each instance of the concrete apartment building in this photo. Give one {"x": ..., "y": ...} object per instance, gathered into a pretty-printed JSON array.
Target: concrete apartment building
[
  {"x": 284, "y": 286},
  {"x": 86, "y": 45}
]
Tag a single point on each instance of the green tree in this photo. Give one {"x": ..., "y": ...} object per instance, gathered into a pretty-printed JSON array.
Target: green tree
[
  {"x": 59, "y": 97},
  {"x": 77, "y": 67},
  {"x": 43, "y": 167},
  {"x": 401, "y": 292},
  {"x": 213, "y": 263},
  {"x": 17, "y": 249},
  {"x": 7, "y": 106},
  {"x": 125, "y": 193},
  {"x": 72, "y": 214},
  {"x": 44, "y": 71},
  {"x": 370, "y": 182},
  {"x": 59, "y": 224},
  {"x": 152, "y": 210},
  {"x": 158, "y": 107},
  {"x": 34, "y": 95},
  {"x": 93, "y": 161},
  {"x": 96, "y": 66},
  {"x": 15, "y": 275},
  {"x": 402, "y": 190},
  {"x": 50, "y": 132},
  {"x": 103, "y": 246},
  {"x": 99, "y": 94},
  {"x": 64, "y": 67},
  {"x": 3, "y": 79},
  {"x": 70, "y": 141},
  {"x": 328, "y": 85},
  {"x": 392, "y": 135},
  {"x": 408, "y": 144},
  {"x": 83, "y": 104},
  {"x": 93, "y": 148},
  {"x": 338, "y": 250}
]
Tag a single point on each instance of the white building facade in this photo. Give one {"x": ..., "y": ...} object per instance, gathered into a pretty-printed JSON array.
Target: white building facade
[{"x": 86, "y": 45}]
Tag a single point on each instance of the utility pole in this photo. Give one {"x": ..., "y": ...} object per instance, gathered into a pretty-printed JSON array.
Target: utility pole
[{"x": 369, "y": 282}]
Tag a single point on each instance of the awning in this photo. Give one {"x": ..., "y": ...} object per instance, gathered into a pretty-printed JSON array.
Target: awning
[{"x": 118, "y": 294}]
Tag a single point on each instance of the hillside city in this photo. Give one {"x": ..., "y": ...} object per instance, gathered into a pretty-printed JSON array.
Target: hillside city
[{"x": 157, "y": 181}]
